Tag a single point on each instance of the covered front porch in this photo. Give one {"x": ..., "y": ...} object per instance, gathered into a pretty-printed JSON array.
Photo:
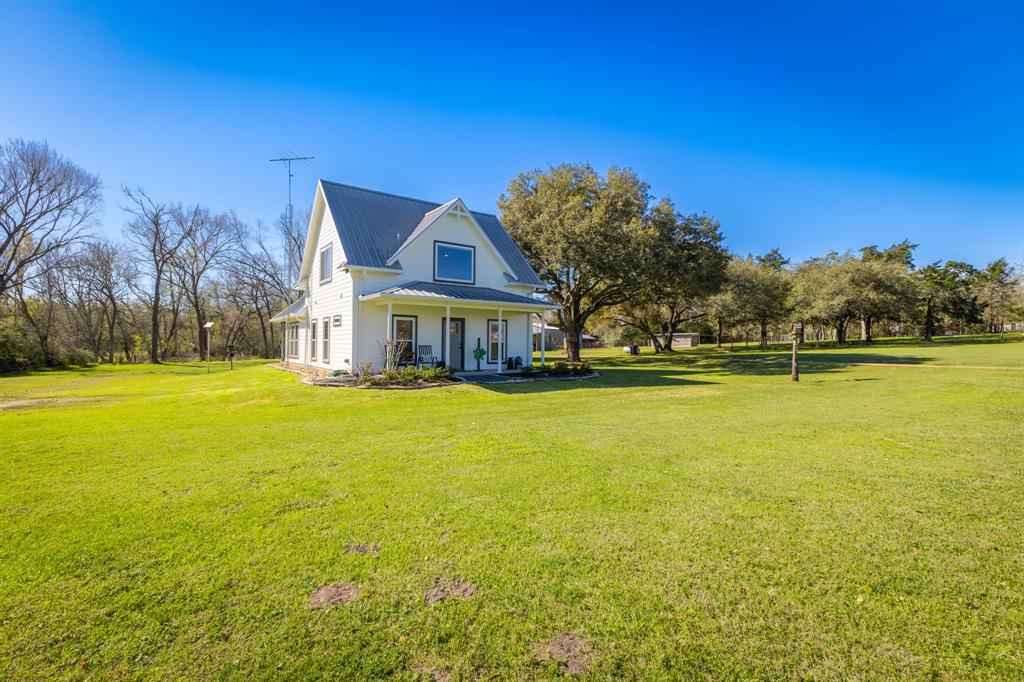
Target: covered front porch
[{"x": 459, "y": 327}]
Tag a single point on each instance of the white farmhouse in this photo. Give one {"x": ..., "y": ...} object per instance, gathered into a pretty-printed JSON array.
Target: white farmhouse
[{"x": 436, "y": 280}]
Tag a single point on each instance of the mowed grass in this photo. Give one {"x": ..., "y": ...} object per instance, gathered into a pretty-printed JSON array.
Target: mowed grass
[{"x": 688, "y": 516}]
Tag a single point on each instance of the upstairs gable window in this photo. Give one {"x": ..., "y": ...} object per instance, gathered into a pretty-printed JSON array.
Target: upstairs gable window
[
  {"x": 325, "y": 264},
  {"x": 454, "y": 263}
]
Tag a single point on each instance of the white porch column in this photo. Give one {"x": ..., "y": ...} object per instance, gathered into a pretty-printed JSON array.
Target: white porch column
[
  {"x": 541, "y": 315},
  {"x": 447, "y": 338},
  {"x": 501, "y": 342},
  {"x": 388, "y": 345}
]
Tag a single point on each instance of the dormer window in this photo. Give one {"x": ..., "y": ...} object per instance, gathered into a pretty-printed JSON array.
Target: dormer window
[
  {"x": 325, "y": 264},
  {"x": 454, "y": 263}
]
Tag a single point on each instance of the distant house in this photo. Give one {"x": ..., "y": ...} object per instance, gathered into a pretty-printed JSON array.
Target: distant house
[{"x": 431, "y": 281}]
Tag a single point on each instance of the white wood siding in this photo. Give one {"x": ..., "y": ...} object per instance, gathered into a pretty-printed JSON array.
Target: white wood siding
[{"x": 331, "y": 298}]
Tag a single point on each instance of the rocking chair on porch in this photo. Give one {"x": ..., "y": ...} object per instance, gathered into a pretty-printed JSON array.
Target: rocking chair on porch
[{"x": 425, "y": 357}]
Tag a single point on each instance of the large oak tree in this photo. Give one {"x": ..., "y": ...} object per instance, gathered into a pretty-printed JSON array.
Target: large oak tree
[{"x": 585, "y": 235}]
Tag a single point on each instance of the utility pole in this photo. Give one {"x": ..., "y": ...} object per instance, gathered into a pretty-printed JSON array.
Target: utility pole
[{"x": 287, "y": 160}]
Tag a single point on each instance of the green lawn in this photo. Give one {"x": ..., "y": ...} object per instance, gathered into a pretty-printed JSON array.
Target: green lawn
[{"x": 694, "y": 516}]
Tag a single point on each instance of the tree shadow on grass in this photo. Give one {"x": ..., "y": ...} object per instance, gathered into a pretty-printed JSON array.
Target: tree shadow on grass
[{"x": 695, "y": 369}]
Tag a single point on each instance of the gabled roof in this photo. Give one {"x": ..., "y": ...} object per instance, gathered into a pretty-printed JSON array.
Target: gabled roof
[
  {"x": 455, "y": 292},
  {"x": 373, "y": 226}
]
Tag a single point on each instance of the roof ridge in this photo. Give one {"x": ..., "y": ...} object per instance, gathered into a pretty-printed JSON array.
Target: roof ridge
[
  {"x": 377, "y": 191},
  {"x": 401, "y": 196}
]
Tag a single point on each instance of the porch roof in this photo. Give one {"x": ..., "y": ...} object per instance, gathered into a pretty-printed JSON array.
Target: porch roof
[
  {"x": 452, "y": 293},
  {"x": 296, "y": 311}
]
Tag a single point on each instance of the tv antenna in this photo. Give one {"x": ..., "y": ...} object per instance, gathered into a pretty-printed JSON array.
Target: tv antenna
[{"x": 287, "y": 158}]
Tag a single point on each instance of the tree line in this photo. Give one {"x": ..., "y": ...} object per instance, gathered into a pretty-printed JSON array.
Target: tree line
[
  {"x": 615, "y": 259},
  {"x": 69, "y": 296},
  {"x": 610, "y": 255}
]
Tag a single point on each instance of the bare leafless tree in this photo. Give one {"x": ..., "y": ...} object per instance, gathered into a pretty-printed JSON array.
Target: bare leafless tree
[
  {"x": 46, "y": 204},
  {"x": 208, "y": 245},
  {"x": 158, "y": 238},
  {"x": 110, "y": 274}
]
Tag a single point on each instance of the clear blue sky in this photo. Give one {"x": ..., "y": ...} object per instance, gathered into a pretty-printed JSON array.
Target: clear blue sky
[{"x": 813, "y": 127}]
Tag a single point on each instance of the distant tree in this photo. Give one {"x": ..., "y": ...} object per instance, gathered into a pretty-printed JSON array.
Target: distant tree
[
  {"x": 585, "y": 235},
  {"x": 684, "y": 265},
  {"x": 209, "y": 241},
  {"x": 158, "y": 237},
  {"x": 46, "y": 205},
  {"x": 997, "y": 290},
  {"x": 882, "y": 289},
  {"x": 901, "y": 254},
  {"x": 760, "y": 289},
  {"x": 824, "y": 293},
  {"x": 110, "y": 273},
  {"x": 948, "y": 290},
  {"x": 722, "y": 312}
]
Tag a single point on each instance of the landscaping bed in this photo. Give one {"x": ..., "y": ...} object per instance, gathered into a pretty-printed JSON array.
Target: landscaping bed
[{"x": 404, "y": 378}]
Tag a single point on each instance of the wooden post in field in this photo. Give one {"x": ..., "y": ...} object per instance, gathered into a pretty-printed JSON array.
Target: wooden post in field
[{"x": 795, "y": 338}]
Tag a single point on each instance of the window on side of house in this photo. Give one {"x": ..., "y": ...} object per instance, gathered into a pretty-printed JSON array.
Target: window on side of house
[
  {"x": 293, "y": 340},
  {"x": 454, "y": 263},
  {"x": 404, "y": 336},
  {"x": 312, "y": 340},
  {"x": 327, "y": 339},
  {"x": 325, "y": 263},
  {"x": 493, "y": 341}
]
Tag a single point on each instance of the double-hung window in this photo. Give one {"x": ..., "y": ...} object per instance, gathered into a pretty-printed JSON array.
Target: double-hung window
[
  {"x": 312, "y": 340},
  {"x": 454, "y": 263},
  {"x": 325, "y": 263},
  {"x": 327, "y": 339},
  {"x": 497, "y": 343},
  {"x": 293, "y": 340}
]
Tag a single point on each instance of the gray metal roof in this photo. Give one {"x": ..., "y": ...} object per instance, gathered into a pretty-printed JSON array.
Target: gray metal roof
[
  {"x": 456, "y": 292},
  {"x": 373, "y": 225},
  {"x": 295, "y": 310}
]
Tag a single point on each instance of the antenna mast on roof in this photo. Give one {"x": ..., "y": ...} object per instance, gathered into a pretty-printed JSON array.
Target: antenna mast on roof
[{"x": 287, "y": 157}]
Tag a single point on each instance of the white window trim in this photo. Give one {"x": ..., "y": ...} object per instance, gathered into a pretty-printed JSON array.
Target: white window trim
[
  {"x": 472, "y": 263},
  {"x": 325, "y": 335},
  {"x": 415, "y": 332},
  {"x": 293, "y": 339},
  {"x": 312, "y": 340},
  {"x": 329, "y": 250},
  {"x": 501, "y": 346}
]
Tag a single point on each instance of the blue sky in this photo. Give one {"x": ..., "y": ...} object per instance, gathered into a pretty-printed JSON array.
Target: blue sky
[{"x": 814, "y": 127}]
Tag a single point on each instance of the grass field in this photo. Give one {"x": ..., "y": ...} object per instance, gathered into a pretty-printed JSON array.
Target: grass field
[{"x": 695, "y": 516}]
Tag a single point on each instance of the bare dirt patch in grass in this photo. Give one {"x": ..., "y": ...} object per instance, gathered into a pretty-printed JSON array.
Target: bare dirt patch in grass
[
  {"x": 572, "y": 653},
  {"x": 444, "y": 589},
  {"x": 32, "y": 403},
  {"x": 362, "y": 549},
  {"x": 425, "y": 671},
  {"x": 330, "y": 595}
]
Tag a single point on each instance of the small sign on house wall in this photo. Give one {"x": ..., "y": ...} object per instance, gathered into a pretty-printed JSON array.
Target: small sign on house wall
[{"x": 337, "y": 321}]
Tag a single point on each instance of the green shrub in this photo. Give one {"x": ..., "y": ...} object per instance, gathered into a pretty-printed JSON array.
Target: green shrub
[
  {"x": 581, "y": 369},
  {"x": 16, "y": 355},
  {"x": 78, "y": 357},
  {"x": 559, "y": 369},
  {"x": 527, "y": 371}
]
